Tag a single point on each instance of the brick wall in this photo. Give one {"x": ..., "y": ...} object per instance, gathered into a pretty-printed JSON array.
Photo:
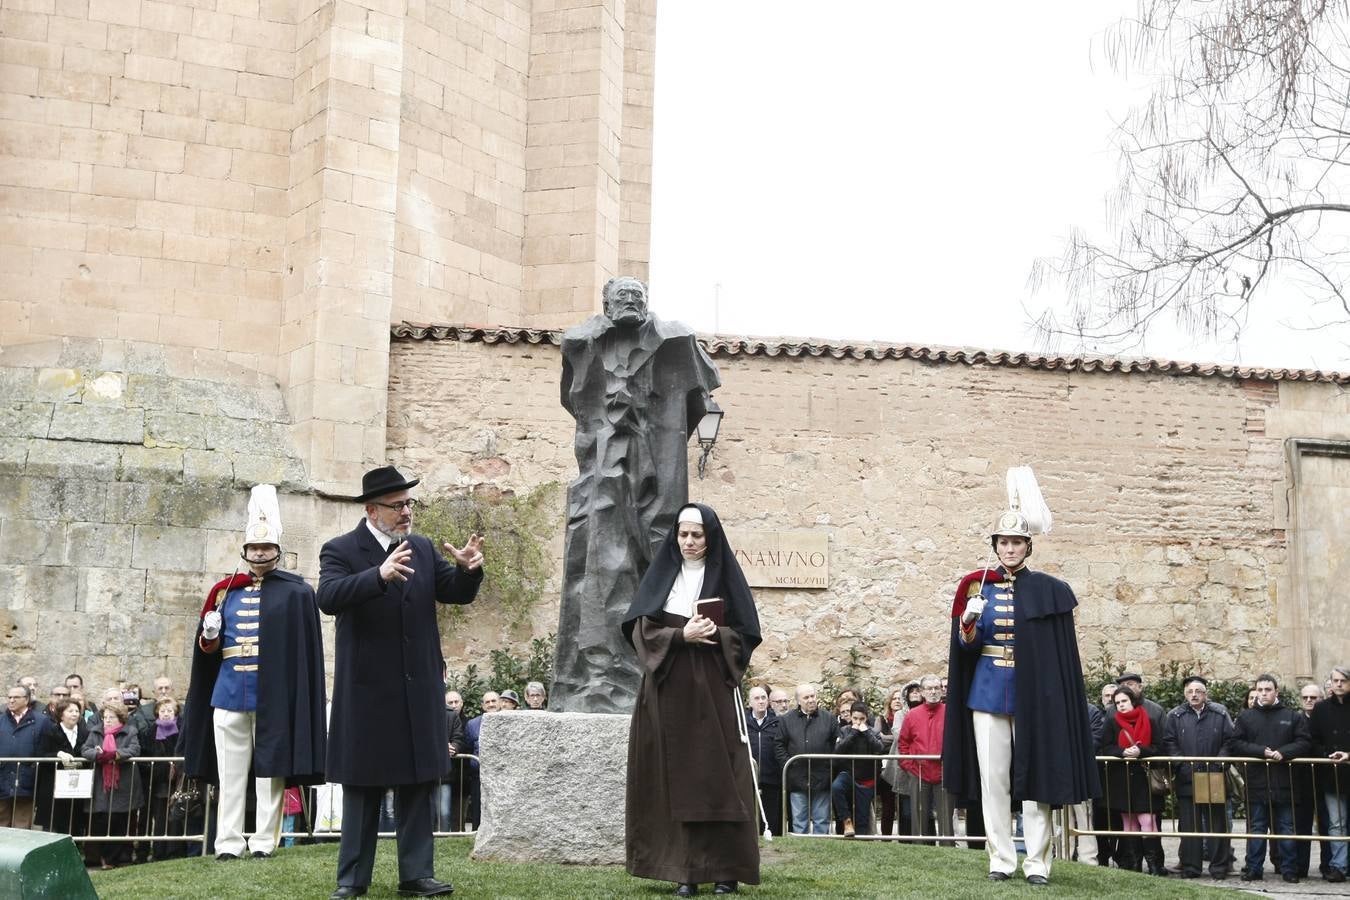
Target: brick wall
[{"x": 1167, "y": 493}]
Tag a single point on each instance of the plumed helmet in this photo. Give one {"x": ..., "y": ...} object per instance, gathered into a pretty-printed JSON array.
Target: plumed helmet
[
  {"x": 264, "y": 517},
  {"x": 1027, "y": 514},
  {"x": 1011, "y": 524}
]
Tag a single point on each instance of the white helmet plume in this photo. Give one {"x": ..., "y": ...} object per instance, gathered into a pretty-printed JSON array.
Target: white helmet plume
[{"x": 1024, "y": 495}]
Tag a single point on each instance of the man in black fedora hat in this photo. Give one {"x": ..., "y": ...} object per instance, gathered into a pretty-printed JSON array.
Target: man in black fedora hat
[{"x": 387, "y": 727}]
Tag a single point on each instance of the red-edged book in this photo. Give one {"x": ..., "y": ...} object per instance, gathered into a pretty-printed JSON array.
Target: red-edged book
[{"x": 714, "y": 608}]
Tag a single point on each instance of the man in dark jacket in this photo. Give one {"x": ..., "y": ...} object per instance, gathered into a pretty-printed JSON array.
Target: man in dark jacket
[
  {"x": 1329, "y": 728},
  {"x": 807, "y": 730},
  {"x": 761, "y": 724},
  {"x": 1273, "y": 732},
  {"x": 1199, "y": 727},
  {"x": 387, "y": 728},
  {"x": 451, "y": 788},
  {"x": 22, "y": 733}
]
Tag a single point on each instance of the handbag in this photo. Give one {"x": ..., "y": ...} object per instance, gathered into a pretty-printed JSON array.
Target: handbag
[
  {"x": 1158, "y": 780},
  {"x": 73, "y": 784},
  {"x": 186, "y": 801}
]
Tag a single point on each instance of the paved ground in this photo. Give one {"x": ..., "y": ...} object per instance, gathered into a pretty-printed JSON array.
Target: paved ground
[{"x": 1311, "y": 887}]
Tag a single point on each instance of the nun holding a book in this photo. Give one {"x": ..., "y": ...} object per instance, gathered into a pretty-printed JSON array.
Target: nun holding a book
[{"x": 691, "y": 798}]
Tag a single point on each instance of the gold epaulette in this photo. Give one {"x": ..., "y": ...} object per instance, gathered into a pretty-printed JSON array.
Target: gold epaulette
[{"x": 973, "y": 590}]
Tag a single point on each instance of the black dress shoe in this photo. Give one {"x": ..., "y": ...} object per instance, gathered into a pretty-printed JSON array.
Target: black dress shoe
[
  {"x": 686, "y": 890},
  {"x": 226, "y": 857},
  {"x": 998, "y": 876},
  {"x": 424, "y": 887},
  {"x": 347, "y": 891},
  {"x": 1290, "y": 877},
  {"x": 725, "y": 887},
  {"x": 1037, "y": 880},
  {"x": 258, "y": 854},
  {"x": 1249, "y": 875},
  {"x": 1336, "y": 876}
]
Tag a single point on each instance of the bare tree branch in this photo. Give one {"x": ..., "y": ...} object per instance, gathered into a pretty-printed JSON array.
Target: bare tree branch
[{"x": 1234, "y": 173}]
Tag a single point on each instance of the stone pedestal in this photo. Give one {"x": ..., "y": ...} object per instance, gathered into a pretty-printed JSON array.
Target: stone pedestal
[{"x": 553, "y": 787}]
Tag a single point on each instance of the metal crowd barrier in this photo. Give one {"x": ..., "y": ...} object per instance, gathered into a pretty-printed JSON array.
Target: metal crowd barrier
[
  {"x": 148, "y": 829},
  {"x": 454, "y": 806},
  {"x": 145, "y": 793},
  {"x": 1235, "y": 804},
  {"x": 940, "y": 812},
  {"x": 1285, "y": 769}
]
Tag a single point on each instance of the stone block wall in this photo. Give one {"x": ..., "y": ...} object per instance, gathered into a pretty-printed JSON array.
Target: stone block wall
[
  {"x": 1168, "y": 493},
  {"x": 124, "y": 478}
]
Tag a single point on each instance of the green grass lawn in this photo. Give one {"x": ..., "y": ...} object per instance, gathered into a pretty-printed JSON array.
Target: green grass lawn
[{"x": 833, "y": 869}]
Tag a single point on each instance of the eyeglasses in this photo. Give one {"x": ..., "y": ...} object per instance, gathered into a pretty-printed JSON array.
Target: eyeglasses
[{"x": 410, "y": 504}]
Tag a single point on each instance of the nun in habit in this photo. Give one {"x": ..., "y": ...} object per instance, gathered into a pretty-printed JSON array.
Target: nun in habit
[{"x": 690, "y": 806}]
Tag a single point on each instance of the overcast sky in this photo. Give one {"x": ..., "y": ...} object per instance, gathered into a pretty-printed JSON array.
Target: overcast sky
[{"x": 885, "y": 171}]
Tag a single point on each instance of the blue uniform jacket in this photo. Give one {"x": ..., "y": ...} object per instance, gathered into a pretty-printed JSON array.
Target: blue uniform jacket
[{"x": 993, "y": 689}]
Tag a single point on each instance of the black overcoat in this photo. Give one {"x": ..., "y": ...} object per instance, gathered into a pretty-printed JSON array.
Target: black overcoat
[
  {"x": 388, "y": 721},
  {"x": 290, "y": 739},
  {"x": 1053, "y": 758}
]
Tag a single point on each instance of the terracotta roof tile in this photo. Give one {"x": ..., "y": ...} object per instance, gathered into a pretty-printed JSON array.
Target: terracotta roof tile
[{"x": 721, "y": 345}]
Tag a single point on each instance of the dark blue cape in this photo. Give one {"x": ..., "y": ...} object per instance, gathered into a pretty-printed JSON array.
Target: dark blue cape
[
  {"x": 1053, "y": 754},
  {"x": 291, "y": 738}
]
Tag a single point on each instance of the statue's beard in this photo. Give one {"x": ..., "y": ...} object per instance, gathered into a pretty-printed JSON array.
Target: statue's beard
[{"x": 628, "y": 316}]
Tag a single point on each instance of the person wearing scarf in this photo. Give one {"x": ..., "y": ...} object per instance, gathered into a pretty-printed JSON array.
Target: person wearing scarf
[
  {"x": 691, "y": 811},
  {"x": 117, "y": 791},
  {"x": 159, "y": 777},
  {"x": 1128, "y": 735}
]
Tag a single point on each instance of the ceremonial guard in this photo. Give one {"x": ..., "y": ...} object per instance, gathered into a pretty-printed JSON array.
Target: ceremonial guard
[
  {"x": 257, "y": 692},
  {"x": 1014, "y": 671}
]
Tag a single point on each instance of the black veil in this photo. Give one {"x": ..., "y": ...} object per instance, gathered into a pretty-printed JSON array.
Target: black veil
[{"x": 722, "y": 577}]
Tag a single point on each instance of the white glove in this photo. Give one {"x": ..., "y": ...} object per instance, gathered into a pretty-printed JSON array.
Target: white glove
[
  {"x": 974, "y": 606},
  {"x": 66, "y": 759},
  {"x": 211, "y": 626}
]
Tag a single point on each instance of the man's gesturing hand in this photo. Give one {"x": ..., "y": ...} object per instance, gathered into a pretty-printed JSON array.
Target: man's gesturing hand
[
  {"x": 395, "y": 566},
  {"x": 471, "y": 556}
]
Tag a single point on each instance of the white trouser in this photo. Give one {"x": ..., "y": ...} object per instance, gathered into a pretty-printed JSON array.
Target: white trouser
[
  {"x": 994, "y": 738},
  {"x": 1080, "y": 816},
  {"x": 235, "y": 732}
]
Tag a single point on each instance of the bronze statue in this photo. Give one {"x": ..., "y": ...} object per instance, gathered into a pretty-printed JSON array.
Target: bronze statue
[{"x": 637, "y": 387}]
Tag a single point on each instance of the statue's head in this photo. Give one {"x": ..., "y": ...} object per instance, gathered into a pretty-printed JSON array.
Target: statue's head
[{"x": 626, "y": 301}]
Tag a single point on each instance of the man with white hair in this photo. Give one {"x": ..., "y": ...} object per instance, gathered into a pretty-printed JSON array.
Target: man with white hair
[{"x": 806, "y": 730}]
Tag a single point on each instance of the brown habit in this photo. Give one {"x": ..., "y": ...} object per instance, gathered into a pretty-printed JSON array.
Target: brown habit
[{"x": 691, "y": 794}]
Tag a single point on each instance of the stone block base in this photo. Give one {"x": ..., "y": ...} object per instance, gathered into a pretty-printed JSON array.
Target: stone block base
[{"x": 553, "y": 787}]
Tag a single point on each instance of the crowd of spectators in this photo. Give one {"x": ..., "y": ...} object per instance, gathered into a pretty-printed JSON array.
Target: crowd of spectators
[
  {"x": 851, "y": 786},
  {"x": 1274, "y": 794},
  {"x": 117, "y": 740}
]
